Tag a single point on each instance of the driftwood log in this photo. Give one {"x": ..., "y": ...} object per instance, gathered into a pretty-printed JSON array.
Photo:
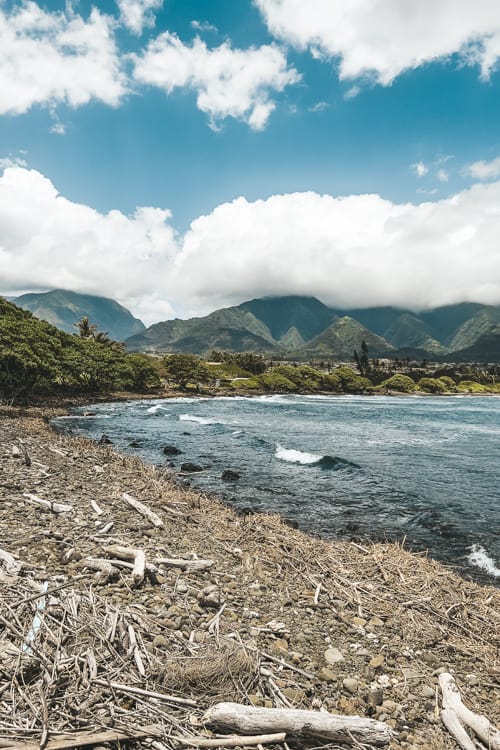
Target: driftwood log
[
  {"x": 456, "y": 716},
  {"x": 152, "y": 517},
  {"x": 54, "y": 507},
  {"x": 318, "y": 725},
  {"x": 188, "y": 566},
  {"x": 11, "y": 565}
]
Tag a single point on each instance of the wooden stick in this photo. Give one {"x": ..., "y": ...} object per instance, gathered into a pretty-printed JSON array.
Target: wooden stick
[
  {"x": 54, "y": 507},
  {"x": 129, "y": 553},
  {"x": 480, "y": 725},
  {"x": 298, "y": 723},
  {"x": 84, "y": 738},
  {"x": 190, "y": 566},
  {"x": 456, "y": 729},
  {"x": 97, "y": 509},
  {"x": 141, "y": 508},
  {"x": 147, "y": 693},
  {"x": 235, "y": 741}
]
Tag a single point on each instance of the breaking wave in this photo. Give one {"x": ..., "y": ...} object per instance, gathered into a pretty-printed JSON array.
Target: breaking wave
[
  {"x": 199, "y": 420},
  {"x": 313, "y": 459},
  {"x": 481, "y": 559}
]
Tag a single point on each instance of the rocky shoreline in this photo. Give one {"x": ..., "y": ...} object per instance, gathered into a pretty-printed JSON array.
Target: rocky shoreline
[{"x": 278, "y": 619}]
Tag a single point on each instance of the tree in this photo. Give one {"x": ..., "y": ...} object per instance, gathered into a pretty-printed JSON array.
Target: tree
[
  {"x": 85, "y": 329},
  {"x": 186, "y": 368}
]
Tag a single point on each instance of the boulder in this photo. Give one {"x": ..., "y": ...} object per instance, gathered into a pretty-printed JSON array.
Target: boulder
[
  {"x": 171, "y": 450},
  {"x": 228, "y": 475},
  {"x": 189, "y": 468},
  {"x": 105, "y": 440}
]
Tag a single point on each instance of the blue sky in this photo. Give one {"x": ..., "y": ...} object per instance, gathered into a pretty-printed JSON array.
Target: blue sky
[{"x": 280, "y": 99}]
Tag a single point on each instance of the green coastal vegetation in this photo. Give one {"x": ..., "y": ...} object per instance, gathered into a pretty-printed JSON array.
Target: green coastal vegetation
[{"x": 37, "y": 359}]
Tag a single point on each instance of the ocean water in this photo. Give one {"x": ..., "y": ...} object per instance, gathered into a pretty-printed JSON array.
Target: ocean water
[{"x": 423, "y": 469}]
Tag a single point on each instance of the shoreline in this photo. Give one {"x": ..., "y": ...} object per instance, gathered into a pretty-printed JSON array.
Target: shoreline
[{"x": 396, "y": 617}]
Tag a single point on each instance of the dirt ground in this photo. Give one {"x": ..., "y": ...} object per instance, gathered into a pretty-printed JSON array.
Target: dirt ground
[{"x": 280, "y": 619}]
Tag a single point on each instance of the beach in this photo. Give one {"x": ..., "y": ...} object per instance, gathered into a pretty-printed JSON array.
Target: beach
[{"x": 353, "y": 628}]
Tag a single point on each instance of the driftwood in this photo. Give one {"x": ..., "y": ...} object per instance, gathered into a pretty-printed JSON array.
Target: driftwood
[
  {"x": 189, "y": 566},
  {"x": 96, "y": 508},
  {"x": 152, "y": 517},
  {"x": 11, "y": 565},
  {"x": 455, "y": 715},
  {"x": 146, "y": 693},
  {"x": 234, "y": 741},
  {"x": 297, "y": 723},
  {"x": 54, "y": 507},
  {"x": 128, "y": 553},
  {"x": 81, "y": 739}
]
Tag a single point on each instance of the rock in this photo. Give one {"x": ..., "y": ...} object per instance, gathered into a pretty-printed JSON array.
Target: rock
[
  {"x": 159, "y": 641},
  {"x": 428, "y": 692},
  {"x": 377, "y": 661},
  {"x": 333, "y": 655},
  {"x": 291, "y": 522},
  {"x": 105, "y": 440},
  {"x": 376, "y": 697},
  {"x": 228, "y": 475},
  {"x": 360, "y": 621},
  {"x": 135, "y": 444},
  {"x": 328, "y": 675},
  {"x": 350, "y": 684},
  {"x": 171, "y": 450},
  {"x": 280, "y": 645},
  {"x": 293, "y": 695},
  {"x": 190, "y": 468}
]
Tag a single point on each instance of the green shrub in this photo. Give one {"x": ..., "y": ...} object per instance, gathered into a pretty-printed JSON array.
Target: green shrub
[
  {"x": 469, "y": 386},
  {"x": 351, "y": 381},
  {"x": 272, "y": 381},
  {"x": 432, "y": 385},
  {"x": 399, "y": 383}
]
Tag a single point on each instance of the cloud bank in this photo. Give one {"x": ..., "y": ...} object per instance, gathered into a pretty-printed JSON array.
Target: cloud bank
[
  {"x": 358, "y": 250},
  {"x": 383, "y": 38}
]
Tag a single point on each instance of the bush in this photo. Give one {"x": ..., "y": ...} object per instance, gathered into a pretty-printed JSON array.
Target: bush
[
  {"x": 272, "y": 381},
  {"x": 469, "y": 386},
  {"x": 432, "y": 385},
  {"x": 399, "y": 383},
  {"x": 351, "y": 381}
]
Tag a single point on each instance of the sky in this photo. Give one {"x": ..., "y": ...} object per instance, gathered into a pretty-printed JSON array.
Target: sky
[{"x": 180, "y": 156}]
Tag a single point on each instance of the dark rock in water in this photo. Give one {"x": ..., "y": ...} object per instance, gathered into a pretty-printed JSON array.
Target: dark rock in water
[
  {"x": 170, "y": 464},
  {"x": 190, "y": 468},
  {"x": 186, "y": 433},
  {"x": 335, "y": 463},
  {"x": 246, "y": 511},
  {"x": 89, "y": 413},
  {"x": 105, "y": 440},
  {"x": 291, "y": 522},
  {"x": 171, "y": 450},
  {"x": 228, "y": 475},
  {"x": 135, "y": 444}
]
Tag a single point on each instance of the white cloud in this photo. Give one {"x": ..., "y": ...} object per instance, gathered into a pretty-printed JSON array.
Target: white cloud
[
  {"x": 46, "y": 241},
  {"x": 319, "y": 107},
  {"x": 137, "y": 14},
  {"x": 228, "y": 82},
  {"x": 442, "y": 175},
  {"x": 383, "y": 38},
  {"x": 48, "y": 58},
  {"x": 203, "y": 26},
  {"x": 419, "y": 168},
  {"x": 12, "y": 161},
  {"x": 58, "y": 129},
  {"x": 359, "y": 250},
  {"x": 484, "y": 170}
]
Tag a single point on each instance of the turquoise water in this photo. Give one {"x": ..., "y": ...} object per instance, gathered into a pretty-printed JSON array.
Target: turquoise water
[{"x": 426, "y": 469}]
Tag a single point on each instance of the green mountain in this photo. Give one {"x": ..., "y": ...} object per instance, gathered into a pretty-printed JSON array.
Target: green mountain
[
  {"x": 64, "y": 308},
  {"x": 305, "y": 327},
  {"x": 341, "y": 338},
  {"x": 486, "y": 349}
]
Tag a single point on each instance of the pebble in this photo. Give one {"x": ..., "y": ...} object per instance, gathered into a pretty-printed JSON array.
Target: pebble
[
  {"x": 350, "y": 684},
  {"x": 377, "y": 661},
  {"x": 428, "y": 692},
  {"x": 333, "y": 655},
  {"x": 327, "y": 675}
]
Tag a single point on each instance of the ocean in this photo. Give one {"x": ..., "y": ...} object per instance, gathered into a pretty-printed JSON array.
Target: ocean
[{"x": 425, "y": 470}]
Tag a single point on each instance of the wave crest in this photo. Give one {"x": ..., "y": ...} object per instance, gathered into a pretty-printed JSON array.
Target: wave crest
[
  {"x": 313, "y": 459},
  {"x": 481, "y": 559},
  {"x": 199, "y": 420}
]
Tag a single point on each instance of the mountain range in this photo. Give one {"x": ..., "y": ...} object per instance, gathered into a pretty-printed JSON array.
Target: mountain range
[
  {"x": 290, "y": 326},
  {"x": 64, "y": 308},
  {"x": 304, "y": 327}
]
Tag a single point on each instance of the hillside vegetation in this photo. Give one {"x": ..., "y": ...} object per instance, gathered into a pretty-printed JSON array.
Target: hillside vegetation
[{"x": 36, "y": 358}]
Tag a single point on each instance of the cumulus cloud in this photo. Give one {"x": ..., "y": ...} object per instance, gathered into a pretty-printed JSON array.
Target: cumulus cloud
[
  {"x": 484, "y": 170},
  {"x": 442, "y": 175},
  {"x": 49, "y": 58},
  {"x": 203, "y": 26},
  {"x": 358, "y": 250},
  {"x": 47, "y": 242},
  {"x": 228, "y": 82},
  {"x": 138, "y": 14},
  {"x": 383, "y": 38}
]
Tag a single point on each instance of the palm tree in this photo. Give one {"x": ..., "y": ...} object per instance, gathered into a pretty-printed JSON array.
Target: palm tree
[{"x": 85, "y": 329}]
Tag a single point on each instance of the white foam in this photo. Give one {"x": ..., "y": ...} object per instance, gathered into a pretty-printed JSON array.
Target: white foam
[
  {"x": 481, "y": 559},
  {"x": 154, "y": 409},
  {"x": 296, "y": 457},
  {"x": 199, "y": 420}
]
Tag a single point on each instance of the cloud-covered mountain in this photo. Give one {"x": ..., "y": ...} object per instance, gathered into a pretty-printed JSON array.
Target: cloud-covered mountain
[
  {"x": 64, "y": 308},
  {"x": 304, "y": 327}
]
